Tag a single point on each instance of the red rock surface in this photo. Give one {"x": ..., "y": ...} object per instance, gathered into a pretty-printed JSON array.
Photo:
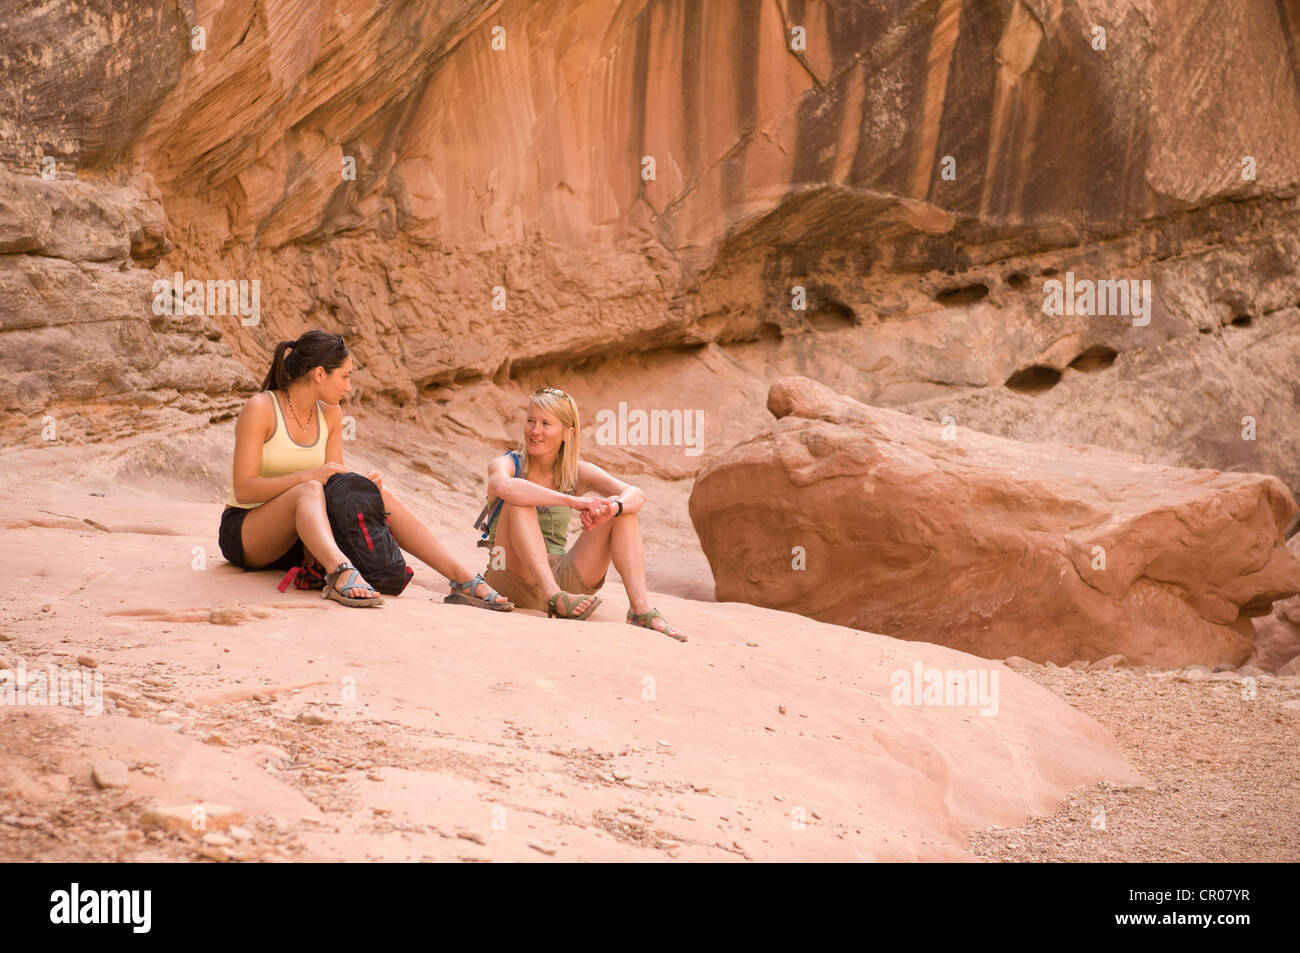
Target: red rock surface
[
  {"x": 987, "y": 545},
  {"x": 474, "y": 735}
]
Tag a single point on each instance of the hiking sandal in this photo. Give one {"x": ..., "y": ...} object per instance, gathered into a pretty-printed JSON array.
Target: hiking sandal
[
  {"x": 351, "y": 583},
  {"x": 463, "y": 595},
  {"x": 645, "y": 620},
  {"x": 570, "y": 601}
]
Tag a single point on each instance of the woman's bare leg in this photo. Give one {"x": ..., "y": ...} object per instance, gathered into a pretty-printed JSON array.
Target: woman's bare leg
[
  {"x": 299, "y": 513},
  {"x": 617, "y": 539},
  {"x": 418, "y": 540},
  {"x": 520, "y": 535}
]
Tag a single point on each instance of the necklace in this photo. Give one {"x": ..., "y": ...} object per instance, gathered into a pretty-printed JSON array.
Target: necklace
[{"x": 295, "y": 414}]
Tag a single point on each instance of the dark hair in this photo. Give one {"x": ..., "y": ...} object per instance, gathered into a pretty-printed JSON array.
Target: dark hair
[{"x": 295, "y": 358}]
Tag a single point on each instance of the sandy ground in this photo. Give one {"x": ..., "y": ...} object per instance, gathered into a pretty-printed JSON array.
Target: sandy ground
[{"x": 1221, "y": 757}]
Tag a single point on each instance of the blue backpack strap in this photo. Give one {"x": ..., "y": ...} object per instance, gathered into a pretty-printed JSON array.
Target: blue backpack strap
[{"x": 513, "y": 454}]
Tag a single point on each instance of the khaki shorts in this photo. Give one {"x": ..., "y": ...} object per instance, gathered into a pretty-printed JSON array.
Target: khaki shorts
[{"x": 531, "y": 597}]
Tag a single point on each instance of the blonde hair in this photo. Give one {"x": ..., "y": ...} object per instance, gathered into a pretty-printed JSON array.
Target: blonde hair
[{"x": 565, "y": 409}]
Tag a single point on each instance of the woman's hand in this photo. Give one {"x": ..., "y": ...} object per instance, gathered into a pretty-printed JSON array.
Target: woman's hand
[
  {"x": 598, "y": 512},
  {"x": 325, "y": 471},
  {"x": 374, "y": 476}
]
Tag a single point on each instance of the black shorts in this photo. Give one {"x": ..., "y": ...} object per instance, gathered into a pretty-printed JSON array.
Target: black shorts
[{"x": 231, "y": 540}]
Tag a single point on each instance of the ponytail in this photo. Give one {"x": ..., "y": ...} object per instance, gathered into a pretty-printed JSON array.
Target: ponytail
[
  {"x": 277, "y": 378},
  {"x": 293, "y": 359}
]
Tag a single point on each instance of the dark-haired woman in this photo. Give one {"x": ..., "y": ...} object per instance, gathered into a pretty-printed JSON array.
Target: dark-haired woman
[{"x": 288, "y": 443}]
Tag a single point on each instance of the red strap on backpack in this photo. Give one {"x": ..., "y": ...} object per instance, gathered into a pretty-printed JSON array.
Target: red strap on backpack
[{"x": 362, "y": 520}]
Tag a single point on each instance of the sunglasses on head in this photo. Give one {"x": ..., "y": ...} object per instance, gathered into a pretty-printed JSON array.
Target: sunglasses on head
[{"x": 551, "y": 390}]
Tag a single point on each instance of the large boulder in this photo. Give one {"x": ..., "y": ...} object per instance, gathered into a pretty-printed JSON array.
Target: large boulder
[
  {"x": 1277, "y": 639},
  {"x": 871, "y": 518}
]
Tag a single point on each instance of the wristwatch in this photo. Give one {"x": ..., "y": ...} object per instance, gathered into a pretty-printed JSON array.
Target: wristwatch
[{"x": 620, "y": 506}]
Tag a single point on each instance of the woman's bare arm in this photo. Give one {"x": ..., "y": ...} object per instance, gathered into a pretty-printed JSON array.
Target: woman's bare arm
[
  {"x": 593, "y": 479},
  {"x": 502, "y": 484}
]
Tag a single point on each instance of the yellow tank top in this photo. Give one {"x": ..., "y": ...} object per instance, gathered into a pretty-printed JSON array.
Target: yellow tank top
[{"x": 282, "y": 455}]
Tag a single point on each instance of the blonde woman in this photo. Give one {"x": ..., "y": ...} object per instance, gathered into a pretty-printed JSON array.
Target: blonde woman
[{"x": 533, "y": 491}]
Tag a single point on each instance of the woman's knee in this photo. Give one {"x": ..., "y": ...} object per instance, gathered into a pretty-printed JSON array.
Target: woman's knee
[{"x": 310, "y": 493}]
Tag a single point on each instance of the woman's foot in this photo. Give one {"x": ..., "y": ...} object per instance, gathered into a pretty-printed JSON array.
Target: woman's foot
[
  {"x": 476, "y": 592},
  {"x": 652, "y": 619},
  {"x": 565, "y": 605},
  {"x": 345, "y": 585},
  {"x": 484, "y": 591}
]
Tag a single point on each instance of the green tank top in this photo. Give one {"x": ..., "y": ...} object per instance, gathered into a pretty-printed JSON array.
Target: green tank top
[{"x": 554, "y": 521}]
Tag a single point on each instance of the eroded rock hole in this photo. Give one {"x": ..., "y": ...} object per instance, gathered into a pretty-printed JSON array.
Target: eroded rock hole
[
  {"x": 1034, "y": 379},
  {"x": 962, "y": 294},
  {"x": 1017, "y": 281},
  {"x": 1096, "y": 358},
  {"x": 831, "y": 316},
  {"x": 1241, "y": 321}
]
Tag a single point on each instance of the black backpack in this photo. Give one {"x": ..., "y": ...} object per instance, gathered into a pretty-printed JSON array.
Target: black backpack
[{"x": 360, "y": 526}]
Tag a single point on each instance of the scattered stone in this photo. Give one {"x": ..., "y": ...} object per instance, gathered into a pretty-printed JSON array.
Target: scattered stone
[
  {"x": 311, "y": 718},
  {"x": 216, "y": 739},
  {"x": 1018, "y": 664},
  {"x": 470, "y": 835},
  {"x": 666, "y": 744},
  {"x": 169, "y": 716},
  {"x": 87, "y": 661},
  {"x": 1203, "y": 669},
  {"x": 46, "y": 607},
  {"x": 542, "y": 848},
  {"x": 235, "y": 613},
  {"x": 621, "y": 775},
  {"x": 56, "y": 782},
  {"x": 781, "y": 709},
  {"x": 752, "y": 645},
  {"x": 218, "y": 839},
  {"x": 1078, "y": 665},
  {"x": 191, "y": 818},
  {"x": 1199, "y": 674},
  {"x": 1250, "y": 670},
  {"x": 1109, "y": 662},
  {"x": 110, "y": 773},
  {"x": 241, "y": 834},
  {"x": 633, "y": 783},
  {"x": 219, "y": 854},
  {"x": 1228, "y": 676},
  {"x": 374, "y": 777},
  {"x": 1222, "y": 668}
]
